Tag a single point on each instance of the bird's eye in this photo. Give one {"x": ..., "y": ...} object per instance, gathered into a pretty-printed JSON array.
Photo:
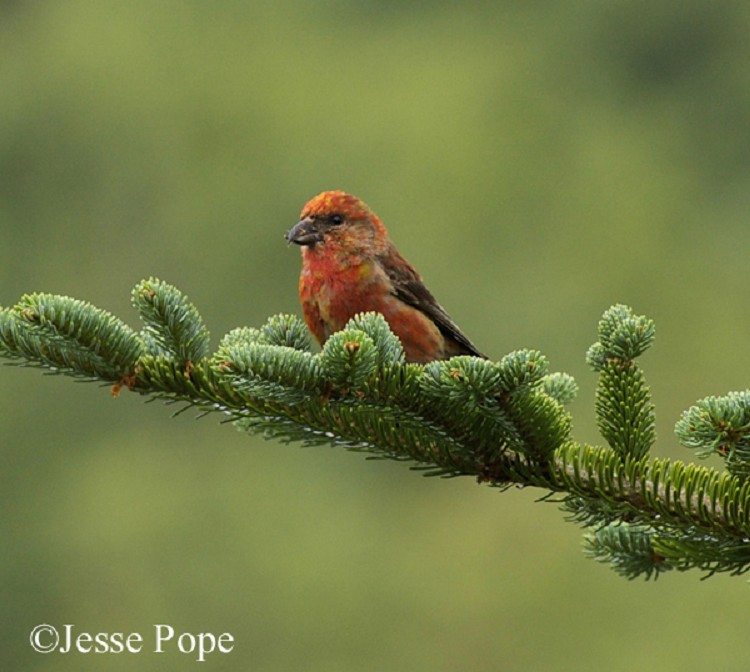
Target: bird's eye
[{"x": 336, "y": 219}]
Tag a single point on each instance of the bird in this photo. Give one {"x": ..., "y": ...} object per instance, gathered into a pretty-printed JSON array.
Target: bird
[{"x": 350, "y": 265}]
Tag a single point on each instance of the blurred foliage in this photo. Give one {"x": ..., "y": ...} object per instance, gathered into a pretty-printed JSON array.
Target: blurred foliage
[{"x": 537, "y": 161}]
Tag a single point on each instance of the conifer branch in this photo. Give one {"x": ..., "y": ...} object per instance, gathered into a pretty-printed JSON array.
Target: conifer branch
[{"x": 502, "y": 422}]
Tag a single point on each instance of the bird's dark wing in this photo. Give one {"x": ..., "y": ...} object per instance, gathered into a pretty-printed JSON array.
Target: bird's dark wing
[{"x": 409, "y": 288}]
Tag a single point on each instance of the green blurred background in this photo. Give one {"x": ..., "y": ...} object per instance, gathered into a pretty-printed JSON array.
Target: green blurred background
[{"x": 537, "y": 161}]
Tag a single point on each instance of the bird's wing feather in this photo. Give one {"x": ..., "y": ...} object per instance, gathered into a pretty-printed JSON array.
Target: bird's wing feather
[{"x": 409, "y": 288}]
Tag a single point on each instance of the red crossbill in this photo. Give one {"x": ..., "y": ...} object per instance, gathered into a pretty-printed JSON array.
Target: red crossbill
[{"x": 350, "y": 265}]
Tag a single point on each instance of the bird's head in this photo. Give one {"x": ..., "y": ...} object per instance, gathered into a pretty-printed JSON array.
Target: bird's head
[{"x": 338, "y": 219}]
